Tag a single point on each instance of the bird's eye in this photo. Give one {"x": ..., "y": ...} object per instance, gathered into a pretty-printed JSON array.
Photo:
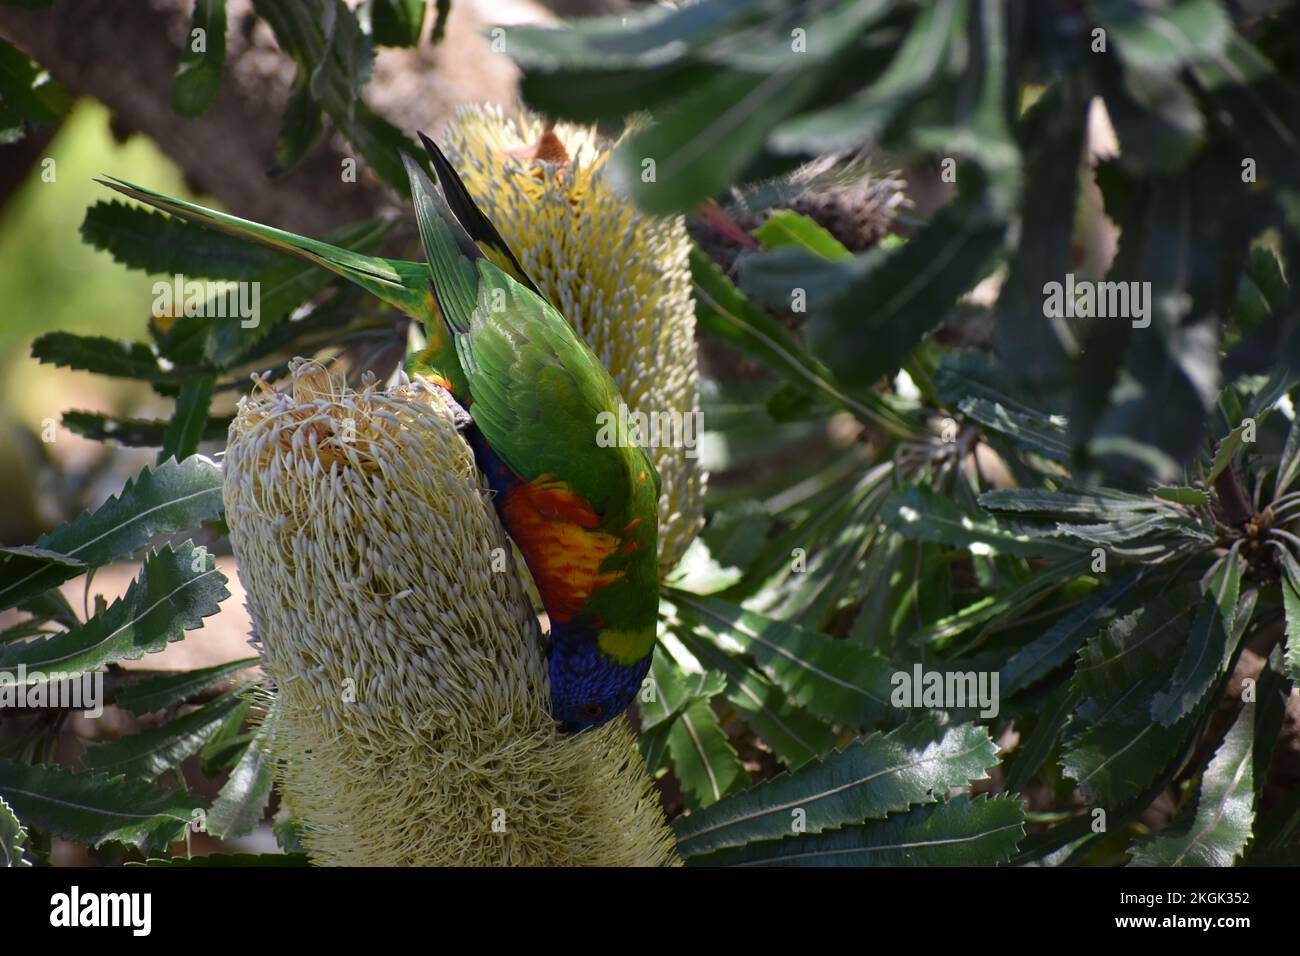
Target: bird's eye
[{"x": 593, "y": 710}]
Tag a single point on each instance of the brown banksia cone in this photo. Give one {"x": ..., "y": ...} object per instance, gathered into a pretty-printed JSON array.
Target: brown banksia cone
[
  {"x": 410, "y": 721},
  {"x": 621, "y": 277}
]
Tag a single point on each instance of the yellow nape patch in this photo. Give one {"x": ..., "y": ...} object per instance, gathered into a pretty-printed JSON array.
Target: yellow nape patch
[{"x": 626, "y": 647}]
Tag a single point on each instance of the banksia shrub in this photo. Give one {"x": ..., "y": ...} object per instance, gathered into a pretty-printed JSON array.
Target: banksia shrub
[
  {"x": 620, "y": 276},
  {"x": 411, "y": 720}
]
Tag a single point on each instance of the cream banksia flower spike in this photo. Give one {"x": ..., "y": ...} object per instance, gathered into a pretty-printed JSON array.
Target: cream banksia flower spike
[
  {"x": 410, "y": 722},
  {"x": 620, "y": 276}
]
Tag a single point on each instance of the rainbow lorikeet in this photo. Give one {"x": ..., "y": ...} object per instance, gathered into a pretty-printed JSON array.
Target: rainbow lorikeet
[{"x": 582, "y": 511}]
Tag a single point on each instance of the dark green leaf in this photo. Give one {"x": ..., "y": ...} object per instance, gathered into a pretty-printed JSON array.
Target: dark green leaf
[
  {"x": 922, "y": 514},
  {"x": 171, "y": 497},
  {"x": 135, "y": 432},
  {"x": 959, "y": 832},
  {"x": 705, "y": 762},
  {"x": 27, "y": 89},
  {"x": 12, "y": 838},
  {"x": 168, "y": 598},
  {"x": 155, "y": 750},
  {"x": 838, "y": 681},
  {"x": 202, "y": 60},
  {"x": 140, "y": 238},
  {"x": 160, "y": 693},
  {"x": 917, "y": 763},
  {"x": 793, "y": 735},
  {"x": 104, "y": 356},
  {"x": 94, "y": 808},
  {"x": 1219, "y": 830},
  {"x": 1208, "y": 648},
  {"x": 861, "y": 118},
  {"x": 241, "y": 803},
  {"x": 189, "y": 421},
  {"x": 1046, "y": 653},
  {"x": 396, "y": 22}
]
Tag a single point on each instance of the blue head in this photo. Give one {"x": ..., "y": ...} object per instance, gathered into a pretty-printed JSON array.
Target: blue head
[{"x": 588, "y": 688}]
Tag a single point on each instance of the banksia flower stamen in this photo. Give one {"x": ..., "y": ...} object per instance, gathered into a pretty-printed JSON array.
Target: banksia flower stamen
[{"x": 411, "y": 718}]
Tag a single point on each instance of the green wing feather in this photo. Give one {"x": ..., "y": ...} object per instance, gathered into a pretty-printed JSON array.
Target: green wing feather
[
  {"x": 538, "y": 391},
  {"x": 401, "y": 284}
]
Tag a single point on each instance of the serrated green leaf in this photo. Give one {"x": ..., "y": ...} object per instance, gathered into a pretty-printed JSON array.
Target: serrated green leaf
[
  {"x": 705, "y": 762},
  {"x": 143, "y": 239},
  {"x": 1044, "y": 654},
  {"x": 1049, "y": 722},
  {"x": 1225, "y": 808},
  {"x": 792, "y": 734},
  {"x": 94, "y": 808},
  {"x": 104, "y": 356},
  {"x": 838, "y": 681},
  {"x": 870, "y": 778},
  {"x": 919, "y": 513},
  {"x": 172, "y": 497},
  {"x": 155, "y": 750},
  {"x": 241, "y": 803},
  {"x": 1228, "y": 448},
  {"x": 198, "y": 77},
  {"x": 160, "y": 693},
  {"x": 1038, "y": 434},
  {"x": 167, "y": 599},
  {"x": 12, "y": 838},
  {"x": 135, "y": 432},
  {"x": 300, "y": 127},
  {"x": 959, "y": 832},
  {"x": 675, "y": 689},
  {"x": 1291, "y": 604},
  {"x": 1208, "y": 648},
  {"x": 229, "y": 859},
  {"x": 1193, "y": 497},
  {"x": 1095, "y": 504},
  {"x": 1032, "y": 343}
]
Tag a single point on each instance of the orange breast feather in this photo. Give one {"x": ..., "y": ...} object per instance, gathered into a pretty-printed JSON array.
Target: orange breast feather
[{"x": 555, "y": 532}]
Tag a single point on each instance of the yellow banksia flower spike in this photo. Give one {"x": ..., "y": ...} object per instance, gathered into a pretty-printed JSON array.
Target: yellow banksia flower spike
[
  {"x": 411, "y": 720},
  {"x": 620, "y": 276}
]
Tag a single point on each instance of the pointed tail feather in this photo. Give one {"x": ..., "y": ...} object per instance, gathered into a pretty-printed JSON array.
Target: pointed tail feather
[
  {"x": 377, "y": 276},
  {"x": 451, "y": 252},
  {"x": 479, "y": 227}
]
